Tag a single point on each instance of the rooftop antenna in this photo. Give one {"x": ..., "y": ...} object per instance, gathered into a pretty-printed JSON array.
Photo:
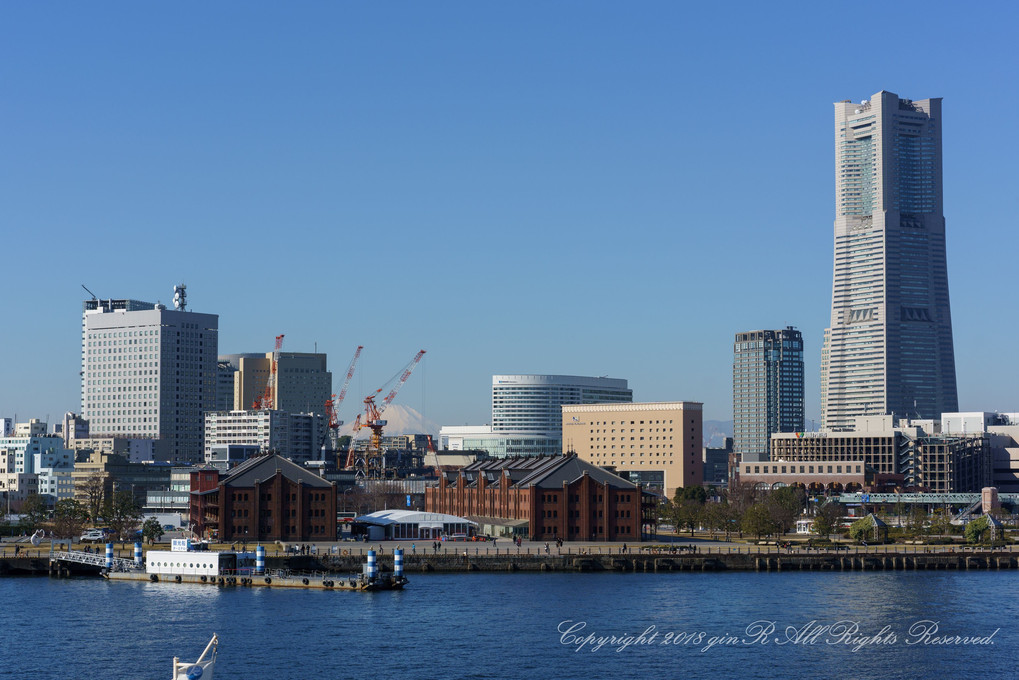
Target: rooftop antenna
[
  {"x": 180, "y": 297},
  {"x": 89, "y": 292}
]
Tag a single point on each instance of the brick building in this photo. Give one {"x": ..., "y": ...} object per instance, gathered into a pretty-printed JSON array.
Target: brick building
[
  {"x": 558, "y": 496},
  {"x": 265, "y": 498}
]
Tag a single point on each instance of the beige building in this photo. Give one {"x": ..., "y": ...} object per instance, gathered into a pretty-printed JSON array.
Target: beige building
[
  {"x": 656, "y": 444},
  {"x": 303, "y": 385}
]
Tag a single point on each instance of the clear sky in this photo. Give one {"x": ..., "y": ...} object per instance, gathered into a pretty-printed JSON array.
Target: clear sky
[{"x": 581, "y": 188}]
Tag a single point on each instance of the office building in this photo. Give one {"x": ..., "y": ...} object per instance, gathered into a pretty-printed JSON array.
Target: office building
[
  {"x": 303, "y": 383},
  {"x": 918, "y": 454},
  {"x": 526, "y": 415},
  {"x": 888, "y": 349},
  {"x": 148, "y": 371},
  {"x": 531, "y": 403},
  {"x": 716, "y": 462},
  {"x": 297, "y": 436},
  {"x": 767, "y": 388},
  {"x": 656, "y": 445}
]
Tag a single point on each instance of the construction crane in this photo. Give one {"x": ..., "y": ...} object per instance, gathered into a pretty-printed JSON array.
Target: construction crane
[
  {"x": 334, "y": 402},
  {"x": 372, "y": 464},
  {"x": 268, "y": 399}
]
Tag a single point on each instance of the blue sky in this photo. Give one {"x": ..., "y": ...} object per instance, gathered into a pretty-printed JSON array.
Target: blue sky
[{"x": 573, "y": 187}]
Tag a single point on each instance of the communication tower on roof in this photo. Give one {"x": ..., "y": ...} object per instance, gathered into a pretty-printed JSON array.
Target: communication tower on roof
[{"x": 180, "y": 297}]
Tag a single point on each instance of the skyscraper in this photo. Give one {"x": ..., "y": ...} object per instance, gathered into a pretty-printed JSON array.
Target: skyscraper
[
  {"x": 767, "y": 389},
  {"x": 148, "y": 372},
  {"x": 889, "y": 348}
]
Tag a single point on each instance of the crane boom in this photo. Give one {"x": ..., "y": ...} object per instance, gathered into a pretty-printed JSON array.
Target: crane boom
[
  {"x": 350, "y": 374},
  {"x": 373, "y": 463},
  {"x": 403, "y": 378},
  {"x": 268, "y": 400}
]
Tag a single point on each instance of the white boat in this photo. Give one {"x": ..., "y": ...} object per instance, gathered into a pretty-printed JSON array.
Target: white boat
[{"x": 202, "y": 668}]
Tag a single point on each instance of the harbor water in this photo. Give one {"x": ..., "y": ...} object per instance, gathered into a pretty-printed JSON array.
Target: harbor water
[{"x": 528, "y": 626}]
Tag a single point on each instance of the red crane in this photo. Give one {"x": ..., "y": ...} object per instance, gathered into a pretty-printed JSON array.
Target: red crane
[
  {"x": 333, "y": 403},
  {"x": 372, "y": 464},
  {"x": 268, "y": 399}
]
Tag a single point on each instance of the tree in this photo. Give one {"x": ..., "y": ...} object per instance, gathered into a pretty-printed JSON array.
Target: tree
[
  {"x": 757, "y": 520},
  {"x": 152, "y": 530},
  {"x": 94, "y": 488},
  {"x": 122, "y": 514},
  {"x": 716, "y": 517},
  {"x": 691, "y": 493},
  {"x": 785, "y": 505},
  {"x": 940, "y": 522},
  {"x": 915, "y": 521},
  {"x": 34, "y": 511},
  {"x": 860, "y": 529},
  {"x": 69, "y": 517},
  {"x": 978, "y": 530},
  {"x": 826, "y": 519},
  {"x": 687, "y": 514},
  {"x": 741, "y": 495}
]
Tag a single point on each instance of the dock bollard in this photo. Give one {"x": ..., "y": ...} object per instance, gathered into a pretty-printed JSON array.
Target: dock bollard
[
  {"x": 371, "y": 566},
  {"x": 398, "y": 563},
  {"x": 109, "y": 556},
  {"x": 259, "y": 560},
  {"x": 138, "y": 555}
]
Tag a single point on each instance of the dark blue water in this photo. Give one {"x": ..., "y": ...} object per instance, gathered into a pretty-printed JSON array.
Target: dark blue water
[{"x": 508, "y": 626}]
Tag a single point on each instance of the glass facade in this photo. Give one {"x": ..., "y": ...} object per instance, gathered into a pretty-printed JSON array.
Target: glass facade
[
  {"x": 767, "y": 387},
  {"x": 889, "y": 347}
]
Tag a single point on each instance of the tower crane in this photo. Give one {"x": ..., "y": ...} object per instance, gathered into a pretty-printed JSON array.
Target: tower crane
[
  {"x": 268, "y": 399},
  {"x": 372, "y": 464},
  {"x": 334, "y": 402}
]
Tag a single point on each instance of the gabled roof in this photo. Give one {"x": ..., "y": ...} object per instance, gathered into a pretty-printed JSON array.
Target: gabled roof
[
  {"x": 541, "y": 471},
  {"x": 261, "y": 468}
]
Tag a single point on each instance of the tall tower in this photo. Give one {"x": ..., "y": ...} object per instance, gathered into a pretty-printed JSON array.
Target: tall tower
[
  {"x": 889, "y": 348},
  {"x": 767, "y": 389},
  {"x": 148, "y": 372}
]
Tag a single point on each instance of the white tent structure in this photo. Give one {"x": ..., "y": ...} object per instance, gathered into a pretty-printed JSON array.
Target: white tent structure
[{"x": 413, "y": 524}]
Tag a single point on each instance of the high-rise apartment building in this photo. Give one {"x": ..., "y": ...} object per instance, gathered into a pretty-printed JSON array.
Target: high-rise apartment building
[
  {"x": 889, "y": 348},
  {"x": 767, "y": 388},
  {"x": 148, "y": 371}
]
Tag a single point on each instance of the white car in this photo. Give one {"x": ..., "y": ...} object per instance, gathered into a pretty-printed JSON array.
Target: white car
[{"x": 92, "y": 535}]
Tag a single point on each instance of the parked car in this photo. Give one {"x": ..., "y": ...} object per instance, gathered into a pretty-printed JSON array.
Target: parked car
[{"x": 92, "y": 535}]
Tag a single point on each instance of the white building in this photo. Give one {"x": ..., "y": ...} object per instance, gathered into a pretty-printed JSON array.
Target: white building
[
  {"x": 297, "y": 436},
  {"x": 147, "y": 371},
  {"x": 527, "y": 413},
  {"x": 35, "y": 464},
  {"x": 532, "y": 403}
]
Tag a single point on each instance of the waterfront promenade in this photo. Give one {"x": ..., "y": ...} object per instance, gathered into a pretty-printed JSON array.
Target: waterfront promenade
[{"x": 680, "y": 556}]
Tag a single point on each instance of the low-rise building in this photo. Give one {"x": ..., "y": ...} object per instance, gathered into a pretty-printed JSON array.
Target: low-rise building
[
  {"x": 33, "y": 462},
  {"x": 925, "y": 457},
  {"x": 265, "y": 498},
  {"x": 119, "y": 474},
  {"x": 557, "y": 496}
]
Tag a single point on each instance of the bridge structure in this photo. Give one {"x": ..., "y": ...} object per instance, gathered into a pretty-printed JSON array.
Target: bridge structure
[
  {"x": 93, "y": 559},
  {"x": 923, "y": 498}
]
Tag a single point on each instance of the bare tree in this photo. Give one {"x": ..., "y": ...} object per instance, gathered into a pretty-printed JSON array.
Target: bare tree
[
  {"x": 94, "y": 488},
  {"x": 69, "y": 518}
]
